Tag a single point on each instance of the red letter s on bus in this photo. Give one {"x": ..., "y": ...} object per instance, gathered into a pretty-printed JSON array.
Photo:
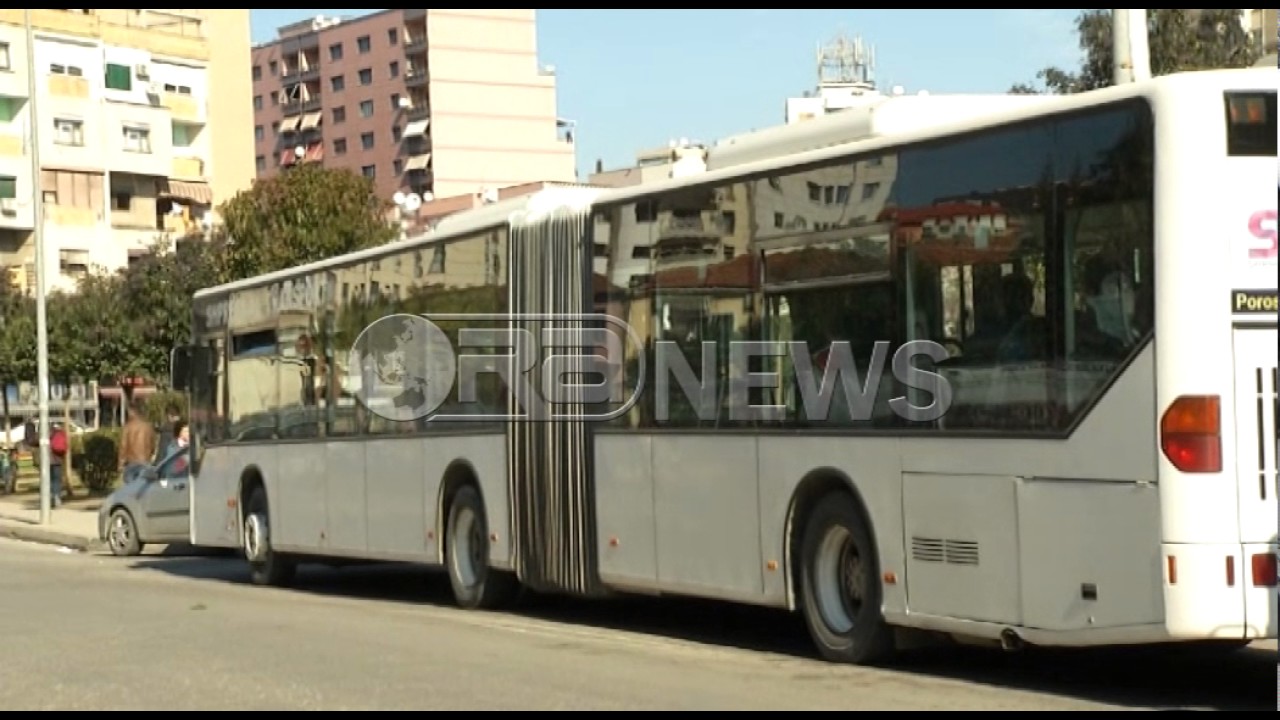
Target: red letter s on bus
[{"x": 1263, "y": 226}]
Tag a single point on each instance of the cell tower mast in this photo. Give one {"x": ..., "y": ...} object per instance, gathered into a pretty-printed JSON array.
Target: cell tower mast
[{"x": 846, "y": 63}]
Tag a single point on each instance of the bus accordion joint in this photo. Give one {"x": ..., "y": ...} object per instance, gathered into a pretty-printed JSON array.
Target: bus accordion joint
[{"x": 1191, "y": 434}]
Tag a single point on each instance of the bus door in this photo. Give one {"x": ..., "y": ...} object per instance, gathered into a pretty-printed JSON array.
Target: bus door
[
  {"x": 1251, "y": 162},
  {"x": 549, "y": 462}
]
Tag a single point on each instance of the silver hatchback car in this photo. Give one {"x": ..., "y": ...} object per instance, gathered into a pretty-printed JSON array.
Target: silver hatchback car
[{"x": 153, "y": 508}]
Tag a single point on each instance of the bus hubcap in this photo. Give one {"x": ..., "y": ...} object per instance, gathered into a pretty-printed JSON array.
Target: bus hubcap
[
  {"x": 256, "y": 538},
  {"x": 469, "y": 549},
  {"x": 839, "y": 580}
]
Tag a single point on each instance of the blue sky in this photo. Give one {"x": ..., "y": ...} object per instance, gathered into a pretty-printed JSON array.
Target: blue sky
[{"x": 634, "y": 79}]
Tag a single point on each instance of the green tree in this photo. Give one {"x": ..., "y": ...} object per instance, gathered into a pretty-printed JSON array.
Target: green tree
[
  {"x": 92, "y": 334},
  {"x": 303, "y": 215},
  {"x": 158, "y": 288},
  {"x": 1180, "y": 40},
  {"x": 17, "y": 341}
]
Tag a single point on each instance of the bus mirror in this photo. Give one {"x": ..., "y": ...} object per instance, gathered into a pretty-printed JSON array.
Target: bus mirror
[{"x": 180, "y": 368}]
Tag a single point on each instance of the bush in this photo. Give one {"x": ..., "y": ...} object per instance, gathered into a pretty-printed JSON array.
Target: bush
[
  {"x": 99, "y": 458},
  {"x": 156, "y": 403}
]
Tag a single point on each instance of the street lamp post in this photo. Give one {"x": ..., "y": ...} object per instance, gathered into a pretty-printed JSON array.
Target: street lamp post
[
  {"x": 42, "y": 315},
  {"x": 406, "y": 205}
]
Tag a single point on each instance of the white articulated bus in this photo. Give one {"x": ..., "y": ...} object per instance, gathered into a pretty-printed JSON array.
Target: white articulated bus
[{"x": 1100, "y": 267}]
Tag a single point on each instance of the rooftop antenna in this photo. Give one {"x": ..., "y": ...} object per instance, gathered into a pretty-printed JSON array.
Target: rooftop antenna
[{"x": 845, "y": 61}]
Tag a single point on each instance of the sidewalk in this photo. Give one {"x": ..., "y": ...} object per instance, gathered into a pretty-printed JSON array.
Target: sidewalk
[{"x": 74, "y": 525}]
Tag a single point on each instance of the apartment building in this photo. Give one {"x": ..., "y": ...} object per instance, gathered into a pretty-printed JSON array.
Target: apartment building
[
  {"x": 435, "y": 102},
  {"x": 129, "y": 146},
  {"x": 1263, "y": 27}
]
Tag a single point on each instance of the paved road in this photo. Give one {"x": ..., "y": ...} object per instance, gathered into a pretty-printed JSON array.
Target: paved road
[{"x": 182, "y": 633}]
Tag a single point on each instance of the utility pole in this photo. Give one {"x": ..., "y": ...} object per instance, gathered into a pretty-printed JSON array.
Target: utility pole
[
  {"x": 42, "y": 315},
  {"x": 1131, "y": 49}
]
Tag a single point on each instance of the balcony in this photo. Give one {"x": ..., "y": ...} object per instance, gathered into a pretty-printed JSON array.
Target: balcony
[
  {"x": 415, "y": 76},
  {"x": 680, "y": 229},
  {"x": 184, "y": 108},
  {"x": 293, "y": 75},
  {"x": 187, "y": 167},
  {"x": 415, "y": 43},
  {"x": 164, "y": 32},
  {"x": 12, "y": 143},
  {"x": 297, "y": 107},
  {"x": 418, "y": 112}
]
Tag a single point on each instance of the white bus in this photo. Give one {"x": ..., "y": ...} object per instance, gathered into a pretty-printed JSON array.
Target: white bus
[{"x": 1105, "y": 474}]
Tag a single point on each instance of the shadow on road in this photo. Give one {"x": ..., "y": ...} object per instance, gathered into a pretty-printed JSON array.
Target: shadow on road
[{"x": 1159, "y": 677}]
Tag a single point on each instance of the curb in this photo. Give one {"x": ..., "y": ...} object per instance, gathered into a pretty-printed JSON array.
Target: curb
[{"x": 46, "y": 536}]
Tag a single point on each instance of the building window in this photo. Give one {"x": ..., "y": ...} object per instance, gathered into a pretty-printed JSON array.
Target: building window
[
  {"x": 260, "y": 163},
  {"x": 368, "y": 171},
  {"x": 257, "y": 102},
  {"x": 393, "y": 36},
  {"x": 4, "y": 57},
  {"x": 69, "y": 70},
  {"x": 137, "y": 139},
  {"x": 339, "y": 115},
  {"x": 366, "y": 108},
  {"x": 258, "y": 134},
  {"x": 119, "y": 77},
  {"x": 337, "y": 83},
  {"x": 275, "y": 67},
  {"x": 366, "y": 76},
  {"x": 275, "y": 128},
  {"x": 184, "y": 136},
  {"x": 177, "y": 89},
  {"x": 363, "y": 44},
  {"x": 257, "y": 73},
  {"x": 366, "y": 140},
  {"x": 397, "y": 166},
  {"x": 8, "y": 187},
  {"x": 397, "y": 132},
  {"x": 335, "y": 51},
  {"x": 394, "y": 69},
  {"x": 275, "y": 97},
  {"x": 68, "y": 132},
  {"x": 395, "y": 102},
  {"x": 340, "y": 146}
]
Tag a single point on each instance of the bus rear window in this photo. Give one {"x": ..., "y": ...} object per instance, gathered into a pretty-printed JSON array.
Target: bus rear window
[{"x": 1251, "y": 124}]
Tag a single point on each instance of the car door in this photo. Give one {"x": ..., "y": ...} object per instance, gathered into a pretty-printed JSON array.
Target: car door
[{"x": 167, "y": 502}]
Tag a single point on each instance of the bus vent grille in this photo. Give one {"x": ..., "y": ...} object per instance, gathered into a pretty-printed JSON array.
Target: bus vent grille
[{"x": 938, "y": 550}]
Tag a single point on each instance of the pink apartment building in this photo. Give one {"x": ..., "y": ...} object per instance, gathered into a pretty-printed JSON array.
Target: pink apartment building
[{"x": 438, "y": 102}]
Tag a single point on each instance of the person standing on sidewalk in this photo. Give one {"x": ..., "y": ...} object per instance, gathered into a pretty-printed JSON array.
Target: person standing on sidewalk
[
  {"x": 137, "y": 444},
  {"x": 8, "y": 470},
  {"x": 58, "y": 446}
]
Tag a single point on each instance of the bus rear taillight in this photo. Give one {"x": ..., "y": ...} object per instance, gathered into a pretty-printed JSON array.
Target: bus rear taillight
[
  {"x": 1264, "y": 570},
  {"x": 1191, "y": 434}
]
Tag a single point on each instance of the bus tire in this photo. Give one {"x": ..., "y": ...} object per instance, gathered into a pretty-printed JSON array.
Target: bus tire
[
  {"x": 475, "y": 585},
  {"x": 266, "y": 566},
  {"x": 840, "y": 589}
]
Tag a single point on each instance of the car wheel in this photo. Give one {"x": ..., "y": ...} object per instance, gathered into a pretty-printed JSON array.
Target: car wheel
[{"x": 122, "y": 534}]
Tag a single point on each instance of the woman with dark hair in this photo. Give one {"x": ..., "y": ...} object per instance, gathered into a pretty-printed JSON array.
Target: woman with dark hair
[{"x": 177, "y": 467}]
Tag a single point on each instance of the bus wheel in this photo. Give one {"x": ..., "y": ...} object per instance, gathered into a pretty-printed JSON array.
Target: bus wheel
[
  {"x": 476, "y": 586},
  {"x": 266, "y": 567},
  {"x": 839, "y": 584}
]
